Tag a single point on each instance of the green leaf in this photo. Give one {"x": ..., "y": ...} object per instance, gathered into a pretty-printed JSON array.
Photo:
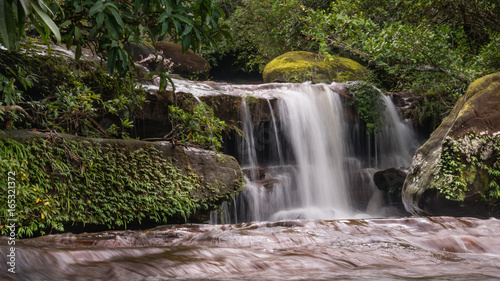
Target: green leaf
[
  {"x": 47, "y": 21},
  {"x": 97, "y": 7},
  {"x": 187, "y": 30},
  {"x": 78, "y": 33},
  {"x": 78, "y": 51},
  {"x": 182, "y": 18},
  {"x": 114, "y": 11},
  {"x": 26, "y": 4},
  {"x": 100, "y": 19},
  {"x": 186, "y": 41},
  {"x": 112, "y": 61},
  {"x": 7, "y": 25}
]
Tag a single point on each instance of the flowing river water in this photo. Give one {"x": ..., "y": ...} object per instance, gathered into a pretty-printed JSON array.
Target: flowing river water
[{"x": 437, "y": 248}]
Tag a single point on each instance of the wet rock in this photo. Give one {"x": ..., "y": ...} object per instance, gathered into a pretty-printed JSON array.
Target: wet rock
[
  {"x": 403, "y": 100},
  {"x": 449, "y": 173},
  {"x": 255, "y": 174},
  {"x": 300, "y": 66},
  {"x": 390, "y": 180}
]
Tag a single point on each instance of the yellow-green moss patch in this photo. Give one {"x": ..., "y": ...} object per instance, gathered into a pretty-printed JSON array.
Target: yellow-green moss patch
[{"x": 300, "y": 66}]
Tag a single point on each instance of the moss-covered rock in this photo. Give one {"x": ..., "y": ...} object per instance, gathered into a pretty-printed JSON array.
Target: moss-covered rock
[
  {"x": 63, "y": 180},
  {"x": 300, "y": 66},
  {"x": 457, "y": 171}
]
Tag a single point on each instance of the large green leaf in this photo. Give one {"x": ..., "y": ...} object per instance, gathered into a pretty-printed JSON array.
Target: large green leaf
[
  {"x": 26, "y": 4},
  {"x": 7, "y": 25},
  {"x": 47, "y": 21},
  {"x": 97, "y": 7}
]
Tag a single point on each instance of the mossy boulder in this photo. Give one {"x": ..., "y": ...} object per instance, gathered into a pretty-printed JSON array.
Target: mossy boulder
[
  {"x": 457, "y": 171},
  {"x": 300, "y": 66}
]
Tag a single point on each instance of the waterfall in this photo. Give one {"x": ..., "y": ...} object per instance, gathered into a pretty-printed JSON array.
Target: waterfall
[
  {"x": 307, "y": 161},
  {"x": 396, "y": 141},
  {"x": 276, "y": 135},
  {"x": 311, "y": 117}
]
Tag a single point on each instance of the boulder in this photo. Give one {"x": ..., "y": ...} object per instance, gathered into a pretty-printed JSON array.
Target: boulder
[
  {"x": 300, "y": 66},
  {"x": 457, "y": 171},
  {"x": 390, "y": 180},
  {"x": 168, "y": 56}
]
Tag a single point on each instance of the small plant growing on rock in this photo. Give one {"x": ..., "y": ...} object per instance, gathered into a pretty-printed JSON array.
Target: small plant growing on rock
[
  {"x": 199, "y": 127},
  {"x": 366, "y": 100}
]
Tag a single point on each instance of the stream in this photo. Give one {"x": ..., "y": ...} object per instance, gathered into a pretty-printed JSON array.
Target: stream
[{"x": 434, "y": 248}]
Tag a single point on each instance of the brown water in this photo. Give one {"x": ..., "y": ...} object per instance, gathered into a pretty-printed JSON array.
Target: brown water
[{"x": 438, "y": 248}]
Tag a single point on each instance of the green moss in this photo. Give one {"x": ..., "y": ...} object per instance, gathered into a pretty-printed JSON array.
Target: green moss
[
  {"x": 300, "y": 66},
  {"x": 63, "y": 181},
  {"x": 488, "y": 82}
]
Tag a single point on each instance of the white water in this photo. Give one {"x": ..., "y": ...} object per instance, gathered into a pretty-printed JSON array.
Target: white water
[
  {"x": 396, "y": 142},
  {"x": 310, "y": 117},
  {"x": 323, "y": 168}
]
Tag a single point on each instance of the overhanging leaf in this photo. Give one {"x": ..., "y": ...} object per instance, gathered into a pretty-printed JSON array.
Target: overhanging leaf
[
  {"x": 6, "y": 25},
  {"x": 47, "y": 21}
]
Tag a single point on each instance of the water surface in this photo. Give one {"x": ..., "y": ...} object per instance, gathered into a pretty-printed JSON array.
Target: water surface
[{"x": 437, "y": 248}]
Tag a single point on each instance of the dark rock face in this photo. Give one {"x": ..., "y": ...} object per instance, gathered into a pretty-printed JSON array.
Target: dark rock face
[
  {"x": 453, "y": 173},
  {"x": 403, "y": 100},
  {"x": 390, "y": 180}
]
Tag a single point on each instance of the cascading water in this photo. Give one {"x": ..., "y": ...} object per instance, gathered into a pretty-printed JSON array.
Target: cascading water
[
  {"x": 310, "y": 117},
  {"x": 319, "y": 164}
]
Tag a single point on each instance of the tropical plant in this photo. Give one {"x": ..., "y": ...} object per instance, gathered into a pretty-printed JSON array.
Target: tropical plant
[
  {"x": 15, "y": 14},
  {"x": 107, "y": 26}
]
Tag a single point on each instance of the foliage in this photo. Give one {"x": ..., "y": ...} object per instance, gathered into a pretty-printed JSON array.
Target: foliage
[
  {"x": 200, "y": 127},
  {"x": 13, "y": 18},
  {"x": 424, "y": 46},
  {"x": 463, "y": 160},
  {"x": 105, "y": 26},
  {"x": 75, "y": 108},
  {"x": 70, "y": 181},
  {"x": 68, "y": 96},
  {"x": 261, "y": 30},
  {"x": 369, "y": 105},
  {"x": 427, "y": 112}
]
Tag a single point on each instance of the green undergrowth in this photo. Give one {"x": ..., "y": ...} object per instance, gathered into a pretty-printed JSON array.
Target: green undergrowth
[
  {"x": 59, "y": 93},
  {"x": 62, "y": 181},
  {"x": 468, "y": 166}
]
